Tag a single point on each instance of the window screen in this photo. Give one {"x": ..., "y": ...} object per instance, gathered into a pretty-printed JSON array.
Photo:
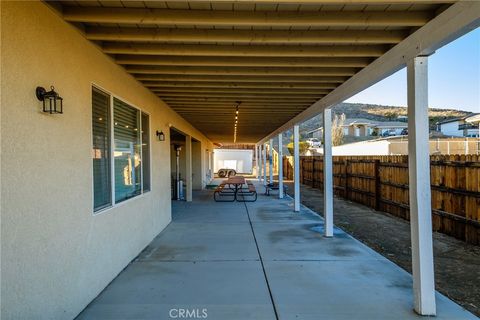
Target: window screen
[
  {"x": 127, "y": 154},
  {"x": 101, "y": 150}
]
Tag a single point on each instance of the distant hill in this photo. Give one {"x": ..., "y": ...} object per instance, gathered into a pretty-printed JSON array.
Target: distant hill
[
  {"x": 381, "y": 113},
  {"x": 373, "y": 112}
]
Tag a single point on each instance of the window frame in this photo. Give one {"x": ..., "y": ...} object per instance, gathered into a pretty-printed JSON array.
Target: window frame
[{"x": 143, "y": 193}]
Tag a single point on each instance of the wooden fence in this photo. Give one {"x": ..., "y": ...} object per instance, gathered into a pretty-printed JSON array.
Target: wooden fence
[{"x": 381, "y": 182}]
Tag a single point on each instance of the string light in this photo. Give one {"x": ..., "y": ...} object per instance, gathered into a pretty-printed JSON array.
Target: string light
[{"x": 236, "y": 122}]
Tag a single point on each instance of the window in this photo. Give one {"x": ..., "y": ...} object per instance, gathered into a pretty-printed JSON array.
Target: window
[
  {"x": 101, "y": 150},
  {"x": 127, "y": 152},
  {"x": 146, "y": 151},
  {"x": 121, "y": 163}
]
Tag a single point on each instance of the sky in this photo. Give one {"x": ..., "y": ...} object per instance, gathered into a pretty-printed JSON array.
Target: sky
[{"x": 453, "y": 75}]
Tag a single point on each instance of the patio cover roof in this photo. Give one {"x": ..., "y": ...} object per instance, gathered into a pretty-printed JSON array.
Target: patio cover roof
[{"x": 282, "y": 61}]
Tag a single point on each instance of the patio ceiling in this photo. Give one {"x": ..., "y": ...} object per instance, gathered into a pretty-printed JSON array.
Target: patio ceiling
[{"x": 275, "y": 58}]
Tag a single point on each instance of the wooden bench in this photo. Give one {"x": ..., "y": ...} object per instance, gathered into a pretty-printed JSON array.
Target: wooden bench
[
  {"x": 247, "y": 195},
  {"x": 223, "y": 193}
]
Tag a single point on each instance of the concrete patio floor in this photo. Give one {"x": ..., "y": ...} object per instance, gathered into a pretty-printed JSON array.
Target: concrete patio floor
[{"x": 258, "y": 261}]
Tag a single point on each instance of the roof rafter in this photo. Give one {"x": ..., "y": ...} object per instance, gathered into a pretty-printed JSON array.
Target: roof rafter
[
  {"x": 161, "y": 60},
  {"x": 244, "y": 50},
  {"x": 245, "y": 18},
  {"x": 245, "y": 36},
  {"x": 243, "y": 71}
]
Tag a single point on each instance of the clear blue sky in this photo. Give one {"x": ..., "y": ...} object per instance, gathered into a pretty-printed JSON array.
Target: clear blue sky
[{"x": 454, "y": 79}]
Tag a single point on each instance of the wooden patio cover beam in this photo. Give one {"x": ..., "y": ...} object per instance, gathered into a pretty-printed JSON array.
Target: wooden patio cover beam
[
  {"x": 245, "y": 36},
  {"x": 243, "y": 79},
  {"x": 229, "y": 61},
  {"x": 245, "y": 18},
  {"x": 243, "y": 71},
  {"x": 281, "y": 91},
  {"x": 244, "y": 50},
  {"x": 240, "y": 85}
]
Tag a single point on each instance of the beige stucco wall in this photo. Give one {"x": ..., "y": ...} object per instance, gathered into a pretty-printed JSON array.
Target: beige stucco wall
[{"x": 56, "y": 255}]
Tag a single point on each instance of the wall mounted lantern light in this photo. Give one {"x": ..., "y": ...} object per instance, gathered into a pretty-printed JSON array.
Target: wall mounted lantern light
[
  {"x": 160, "y": 135},
  {"x": 52, "y": 102}
]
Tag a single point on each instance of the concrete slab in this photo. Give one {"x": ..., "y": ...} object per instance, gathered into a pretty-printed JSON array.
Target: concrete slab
[
  {"x": 151, "y": 290},
  {"x": 209, "y": 212},
  {"x": 202, "y": 242},
  {"x": 280, "y": 211},
  {"x": 207, "y": 258},
  {"x": 354, "y": 289},
  {"x": 283, "y": 241}
]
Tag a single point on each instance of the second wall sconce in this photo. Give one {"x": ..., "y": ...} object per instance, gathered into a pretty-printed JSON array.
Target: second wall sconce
[{"x": 160, "y": 135}]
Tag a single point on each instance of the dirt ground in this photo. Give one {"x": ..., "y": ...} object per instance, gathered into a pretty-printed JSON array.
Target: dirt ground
[{"x": 457, "y": 264}]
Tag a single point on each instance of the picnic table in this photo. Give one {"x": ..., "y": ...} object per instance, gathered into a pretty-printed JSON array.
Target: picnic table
[
  {"x": 232, "y": 187},
  {"x": 236, "y": 181}
]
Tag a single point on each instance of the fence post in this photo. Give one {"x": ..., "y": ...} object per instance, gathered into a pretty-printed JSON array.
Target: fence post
[
  {"x": 313, "y": 171},
  {"x": 346, "y": 179},
  {"x": 378, "y": 186}
]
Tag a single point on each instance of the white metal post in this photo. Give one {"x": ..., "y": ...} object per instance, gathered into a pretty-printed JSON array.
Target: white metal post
[
  {"x": 280, "y": 166},
  {"x": 260, "y": 163},
  {"x": 419, "y": 183},
  {"x": 270, "y": 162},
  {"x": 188, "y": 170},
  {"x": 327, "y": 173},
  {"x": 257, "y": 167},
  {"x": 296, "y": 170},
  {"x": 264, "y": 164}
]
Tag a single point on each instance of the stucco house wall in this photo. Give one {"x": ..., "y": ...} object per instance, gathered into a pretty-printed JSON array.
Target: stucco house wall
[{"x": 56, "y": 255}]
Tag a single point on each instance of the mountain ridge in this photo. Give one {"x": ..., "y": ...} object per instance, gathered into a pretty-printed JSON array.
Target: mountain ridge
[{"x": 378, "y": 112}]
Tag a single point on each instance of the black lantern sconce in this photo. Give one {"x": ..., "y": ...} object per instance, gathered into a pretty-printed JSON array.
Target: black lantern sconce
[
  {"x": 160, "y": 135},
  {"x": 52, "y": 102}
]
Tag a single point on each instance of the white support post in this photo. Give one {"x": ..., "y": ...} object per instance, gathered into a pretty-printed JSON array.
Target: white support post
[
  {"x": 327, "y": 173},
  {"x": 257, "y": 167},
  {"x": 296, "y": 170},
  {"x": 419, "y": 183},
  {"x": 280, "y": 166},
  {"x": 270, "y": 162},
  {"x": 260, "y": 163},
  {"x": 264, "y": 164},
  {"x": 188, "y": 169}
]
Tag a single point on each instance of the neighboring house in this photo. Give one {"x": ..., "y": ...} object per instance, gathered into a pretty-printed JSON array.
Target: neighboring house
[
  {"x": 467, "y": 126},
  {"x": 358, "y": 127},
  {"x": 366, "y": 127},
  {"x": 391, "y": 128},
  {"x": 316, "y": 133}
]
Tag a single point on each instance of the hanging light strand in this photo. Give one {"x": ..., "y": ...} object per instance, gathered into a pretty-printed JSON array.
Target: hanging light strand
[{"x": 236, "y": 123}]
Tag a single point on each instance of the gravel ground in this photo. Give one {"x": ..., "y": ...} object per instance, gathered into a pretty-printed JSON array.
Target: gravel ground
[{"x": 457, "y": 264}]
